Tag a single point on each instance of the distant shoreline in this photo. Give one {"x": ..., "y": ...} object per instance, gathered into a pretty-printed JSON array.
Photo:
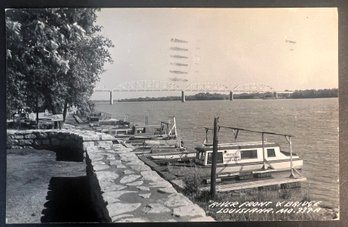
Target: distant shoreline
[
  {"x": 107, "y": 101},
  {"x": 299, "y": 94}
]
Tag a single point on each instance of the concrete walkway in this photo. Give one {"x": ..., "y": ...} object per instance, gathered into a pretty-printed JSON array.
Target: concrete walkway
[
  {"x": 135, "y": 193},
  {"x": 28, "y": 183}
]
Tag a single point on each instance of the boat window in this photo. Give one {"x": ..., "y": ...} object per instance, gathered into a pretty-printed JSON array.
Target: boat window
[
  {"x": 201, "y": 155},
  {"x": 219, "y": 158},
  {"x": 248, "y": 154},
  {"x": 270, "y": 153}
]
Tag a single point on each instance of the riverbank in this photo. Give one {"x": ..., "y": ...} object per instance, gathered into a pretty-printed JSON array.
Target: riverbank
[
  {"x": 194, "y": 122},
  {"x": 125, "y": 181}
]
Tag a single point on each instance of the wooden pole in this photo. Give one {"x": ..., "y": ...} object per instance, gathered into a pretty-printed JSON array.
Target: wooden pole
[
  {"x": 213, "y": 164},
  {"x": 263, "y": 152},
  {"x": 291, "y": 164}
]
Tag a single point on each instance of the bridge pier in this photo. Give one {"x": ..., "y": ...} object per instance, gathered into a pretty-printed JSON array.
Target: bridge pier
[
  {"x": 183, "y": 96},
  {"x": 231, "y": 95},
  {"x": 111, "y": 98},
  {"x": 275, "y": 95}
]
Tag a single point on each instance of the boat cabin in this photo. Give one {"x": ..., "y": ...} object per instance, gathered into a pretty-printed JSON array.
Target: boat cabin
[{"x": 240, "y": 153}]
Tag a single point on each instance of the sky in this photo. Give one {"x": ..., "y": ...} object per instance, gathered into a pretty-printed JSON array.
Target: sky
[{"x": 285, "y": 48}]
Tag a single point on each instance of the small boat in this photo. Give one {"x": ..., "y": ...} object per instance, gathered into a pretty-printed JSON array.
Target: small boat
[
  {"x": 238, "y": 158},
  {"x": 162, "y": 145},
  {"x": 171, "y": 152},
  {"x": 164, "y": 131},
  {"x": 247, "y": 156}
]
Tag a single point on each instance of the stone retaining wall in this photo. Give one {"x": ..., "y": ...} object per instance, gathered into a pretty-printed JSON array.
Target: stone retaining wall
[
  {"x": 44, "y": 139},
  {"x": 75, "y": 141},
  {"x": 133, "y": 192},
  {"x": 124, "y": 189}
]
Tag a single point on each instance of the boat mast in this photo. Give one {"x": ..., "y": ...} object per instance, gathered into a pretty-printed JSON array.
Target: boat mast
[
  {"x": 174, "y": 127},
  {"x": 171, "y": 128}
]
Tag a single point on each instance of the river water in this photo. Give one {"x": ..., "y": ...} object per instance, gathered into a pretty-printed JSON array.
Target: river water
[{"x": 313, "y": 122}]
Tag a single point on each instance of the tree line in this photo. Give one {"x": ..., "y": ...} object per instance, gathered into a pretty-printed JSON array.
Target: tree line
[
  {"x": 54, "y": 58},
  {"x": 312, "y": 93}
]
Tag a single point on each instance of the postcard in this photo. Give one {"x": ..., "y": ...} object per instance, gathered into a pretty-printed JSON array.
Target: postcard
[{"x": 172, "y": 115}]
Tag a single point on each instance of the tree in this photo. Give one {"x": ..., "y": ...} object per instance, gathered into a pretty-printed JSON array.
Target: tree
[
  {"x": 54, "y": 57},
  {"x": 15, "y": 83}
]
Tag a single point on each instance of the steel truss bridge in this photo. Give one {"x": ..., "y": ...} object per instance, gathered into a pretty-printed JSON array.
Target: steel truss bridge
[{"x": 157, "y": 85}]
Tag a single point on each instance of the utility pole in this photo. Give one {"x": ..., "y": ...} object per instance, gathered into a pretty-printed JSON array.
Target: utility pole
[{"x": 213, "y": 164}]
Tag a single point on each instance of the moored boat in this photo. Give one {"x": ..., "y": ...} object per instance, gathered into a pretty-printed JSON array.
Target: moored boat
[
  {"x": 164, "y": 131},
  {"x": 260, "y": 158},
  {"x": 238, "y": 157}
]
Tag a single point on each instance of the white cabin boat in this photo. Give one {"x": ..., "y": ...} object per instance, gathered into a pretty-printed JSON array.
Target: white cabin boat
[{"x": 234, "y": 158}]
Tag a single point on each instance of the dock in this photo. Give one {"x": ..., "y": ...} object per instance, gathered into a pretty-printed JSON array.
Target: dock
[{"x": 279, "y": 180}]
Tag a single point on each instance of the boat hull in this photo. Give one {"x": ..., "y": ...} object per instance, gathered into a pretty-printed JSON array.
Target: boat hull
[{"x": 274, "y": 166}]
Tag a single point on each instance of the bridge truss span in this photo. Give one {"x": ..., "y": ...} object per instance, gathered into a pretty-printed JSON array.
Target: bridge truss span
[
  {"x": 183, "y": 87},
  {"x": 147, "y": 85},
  {"x": 158, "y": 85},
  {"x": 253, "y": 88},
  {"x": 207, "y": 87}
]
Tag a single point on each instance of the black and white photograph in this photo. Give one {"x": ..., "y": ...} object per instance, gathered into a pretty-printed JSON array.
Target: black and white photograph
[{"x": 123, "y": 115}]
